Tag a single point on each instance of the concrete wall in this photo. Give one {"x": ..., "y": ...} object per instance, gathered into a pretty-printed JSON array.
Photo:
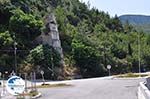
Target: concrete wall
[
  {"x": 148, "y": 82},
  {"x": 51, "y": 37},
  {"x": 143, "y": 91}
]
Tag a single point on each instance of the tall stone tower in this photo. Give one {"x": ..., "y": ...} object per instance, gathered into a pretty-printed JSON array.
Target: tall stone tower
[{"x": 51, "y": 36}]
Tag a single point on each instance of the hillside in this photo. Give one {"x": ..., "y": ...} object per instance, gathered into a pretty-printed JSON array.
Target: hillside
[
  {"x": 90, "y": 40},
  {"x": 140, "y": 22}
]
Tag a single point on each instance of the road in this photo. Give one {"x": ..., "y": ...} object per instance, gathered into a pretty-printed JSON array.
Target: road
[{"x": 95, "y": 89}]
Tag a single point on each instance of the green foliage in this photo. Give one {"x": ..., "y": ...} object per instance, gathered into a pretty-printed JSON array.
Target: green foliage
[
  {"x": 84, "y": 27},
  {"x": 61, "y": 18},
  {"x": 5, "y": 40},
  {"x": 43, "y": 57},
  {"x": 5, "y": 14},
  {"x": 100, "y": 28},
  {"x": 67, "y": 37},
  {"x": 139, "y": 22},
  {"x": 127, "y": 27},
  {"x": 90, "y": 38},
  {"x": 44, "y": 54},
  {"x": 131, "y": 75},
  {"x": 25, "y": 25},
  {"x": 5, "y": 63},
  {"x": 88, "y": 59}
]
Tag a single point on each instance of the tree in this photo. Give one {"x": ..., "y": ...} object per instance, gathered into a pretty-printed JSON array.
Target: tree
[
  {"x": 45, "y": 57},
  {"x": 25, "y": 26},
  {"x": 88, "y": 59},
  {"x": 61, "y": 18},
  {"x": 127, "y": 27},
  {"x": 115, "y": 24},
  {"x": 5, "y": 40},
  {"x": 100, "y": 28}
]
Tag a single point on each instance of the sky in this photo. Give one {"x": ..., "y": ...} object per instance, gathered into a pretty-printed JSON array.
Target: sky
[{"x": 121, "y": 7}]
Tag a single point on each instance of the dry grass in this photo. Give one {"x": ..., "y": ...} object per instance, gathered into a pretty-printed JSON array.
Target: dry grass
[
  {"x": 54, "y": 85},
  {"x": 131, "y": 75}
]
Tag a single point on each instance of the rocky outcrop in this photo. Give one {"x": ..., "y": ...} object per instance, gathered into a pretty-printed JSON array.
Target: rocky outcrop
[{"x": 51, "y": 35}]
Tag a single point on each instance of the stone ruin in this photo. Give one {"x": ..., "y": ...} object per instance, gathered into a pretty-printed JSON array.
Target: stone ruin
[{"x": 51, "y": 37}]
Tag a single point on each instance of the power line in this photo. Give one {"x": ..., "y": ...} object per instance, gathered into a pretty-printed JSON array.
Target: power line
[{"x": 12, "y": 50}]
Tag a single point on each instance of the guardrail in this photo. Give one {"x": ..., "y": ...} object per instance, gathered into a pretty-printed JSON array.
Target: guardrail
[{"x": 143, "y": 91}]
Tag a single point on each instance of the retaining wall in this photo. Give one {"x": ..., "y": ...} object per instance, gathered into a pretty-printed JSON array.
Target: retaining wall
[{"x": 143, "y": 91}]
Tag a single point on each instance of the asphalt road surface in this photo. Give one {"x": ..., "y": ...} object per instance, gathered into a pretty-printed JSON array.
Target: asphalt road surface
[{"x": 95, "y": 89}]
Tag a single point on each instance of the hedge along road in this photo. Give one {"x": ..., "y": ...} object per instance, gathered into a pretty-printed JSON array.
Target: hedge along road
[{"x": 96, "y": 88}]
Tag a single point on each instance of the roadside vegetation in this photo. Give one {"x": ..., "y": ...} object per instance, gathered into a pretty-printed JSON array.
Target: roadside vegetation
[
  {"x": 91, "y": 40},
  {"x": 132, "y": 75},
  {"x": 54, "y": 85}
]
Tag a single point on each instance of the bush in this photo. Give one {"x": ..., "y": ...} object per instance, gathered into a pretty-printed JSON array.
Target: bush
[{"x": 25, "y": 25}]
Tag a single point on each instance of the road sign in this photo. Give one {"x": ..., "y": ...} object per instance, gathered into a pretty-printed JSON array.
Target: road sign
[
  {"x": 42, "y": 72},
  {"x": 108, "y": 66},
  {"x": 15, "y": 85}
]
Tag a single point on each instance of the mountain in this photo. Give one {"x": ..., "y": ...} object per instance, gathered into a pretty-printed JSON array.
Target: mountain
[
  {"x": 90, "y": 40},
  {"x": 140, "y": 22},
  {"x": 135, "y": 19}
]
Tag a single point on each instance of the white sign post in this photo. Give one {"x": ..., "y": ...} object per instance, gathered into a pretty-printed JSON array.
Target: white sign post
[
  {"x": 15, "y": 85},
  {"x": 42, "y": 73},
  {"x": 3, "y": 92},
  {"x": 0, "y": 75},
  {"x": 109, "y": 67}
]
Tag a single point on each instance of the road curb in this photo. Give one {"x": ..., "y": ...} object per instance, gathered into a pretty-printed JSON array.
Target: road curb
[
  {"x": 143, "y": 91},
  {"x": 69, "y": 81},
  {"x": 37, "y": 96},
  {"x": 126, "y": 78}
]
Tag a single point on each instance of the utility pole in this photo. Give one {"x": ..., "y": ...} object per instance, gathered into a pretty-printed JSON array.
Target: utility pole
[
  {"x": 34, "y": 77},
  {"x": 31, "y": 75},
  {"x": 15, "y": 52},
  {"x": 139, "y": 53},
  {"x": 25, "y": 74},
  {"x": 52, "y": 66}
]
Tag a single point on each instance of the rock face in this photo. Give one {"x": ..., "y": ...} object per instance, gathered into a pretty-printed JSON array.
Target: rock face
[{"x": 51, "y": 36}]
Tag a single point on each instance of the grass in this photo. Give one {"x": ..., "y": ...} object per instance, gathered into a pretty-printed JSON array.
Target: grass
[
  {"x": 53, "y": 85},
  {"x": 20, "y": 98},
  {"x": 33, "y": 93},
  {"x": 131, "y": 75}
]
